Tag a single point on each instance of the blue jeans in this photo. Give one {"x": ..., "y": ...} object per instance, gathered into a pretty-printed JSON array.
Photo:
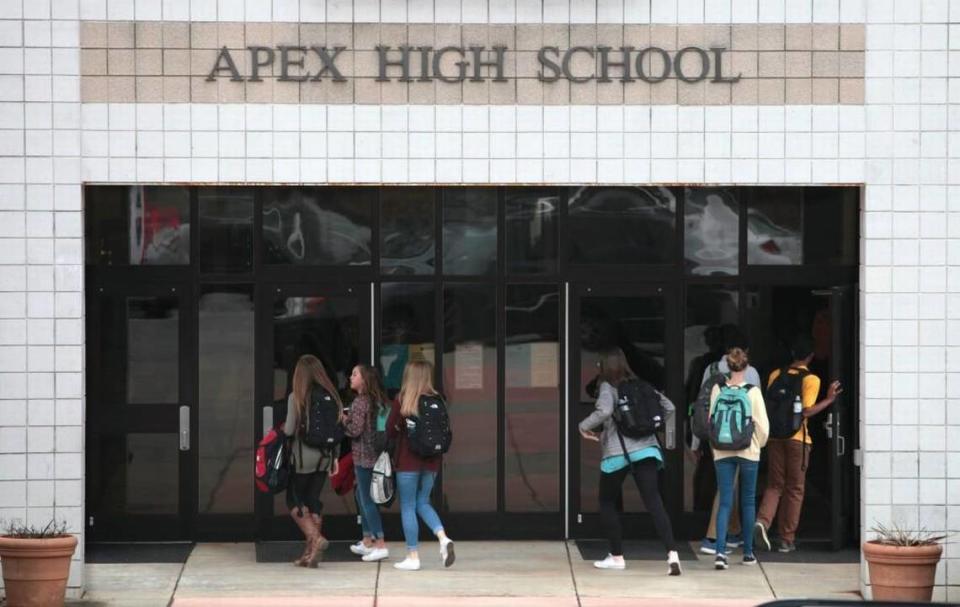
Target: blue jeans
[
  {"x": 414, "y": 489},
  {"x": 726, "y": 479},
  {"x": 369, "y": 510}
]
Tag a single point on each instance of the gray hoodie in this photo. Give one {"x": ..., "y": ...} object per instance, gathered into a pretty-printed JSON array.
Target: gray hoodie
[{"x": 603, "y": 414}]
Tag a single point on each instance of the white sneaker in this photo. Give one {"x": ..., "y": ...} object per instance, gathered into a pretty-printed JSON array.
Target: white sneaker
[
  {"x": 673, "y": 563},
  {"x": 610, "y": 563},
  {"x": 360, "y": 549},
  {"x": 408, "y": 564},
  {"x": 377, "y": 554},
  {"x": 447, "y": 555}
]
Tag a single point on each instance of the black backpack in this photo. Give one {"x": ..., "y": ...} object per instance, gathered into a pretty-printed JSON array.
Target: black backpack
[
  {"x": 322, "y": 429},
  {"x": 699, "y": 412},
  {"x": 637, "y": 412},
  {"x": 781, "y": 399},
  {"x": 429, "y": 433}
]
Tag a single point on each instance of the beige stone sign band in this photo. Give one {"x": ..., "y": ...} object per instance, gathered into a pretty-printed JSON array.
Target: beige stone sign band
[{"x": 173, "y": 62}]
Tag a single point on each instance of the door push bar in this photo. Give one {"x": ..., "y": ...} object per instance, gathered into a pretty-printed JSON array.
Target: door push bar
[{"x": 184, "y": 428}]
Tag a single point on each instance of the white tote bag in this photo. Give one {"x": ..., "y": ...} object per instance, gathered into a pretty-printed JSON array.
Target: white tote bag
[{"x": 382, "y": 482}]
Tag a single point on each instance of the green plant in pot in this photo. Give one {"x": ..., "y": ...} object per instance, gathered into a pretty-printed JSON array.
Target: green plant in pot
[
  {"x": 36, "y": 563},
  {"x": 902, "y": 564}
]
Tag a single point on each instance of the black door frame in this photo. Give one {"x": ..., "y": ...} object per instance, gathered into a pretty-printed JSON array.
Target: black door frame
[
  {"x": 587, "y": 525},
  {"x": 842, "y": 418},
  {"x": 269, "y": 524},
  {"x": 672, "y": 277},
  {"x": 103, "y": 417}
]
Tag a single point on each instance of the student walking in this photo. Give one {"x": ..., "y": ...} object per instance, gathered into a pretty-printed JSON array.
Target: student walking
[
  {"x": 314, "y": 410},
  {"x": 739, "y": 427},
  {"x": 732, "y": 337},
  {"x": 645, "y": 457},
  {"x": 360, "y": 424},
  {"x": 416, "y": 472},
  {"x": 791, "y": 399}
]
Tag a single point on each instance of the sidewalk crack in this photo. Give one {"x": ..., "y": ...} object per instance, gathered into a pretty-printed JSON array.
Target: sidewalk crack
[
  {"x": 766, "y": 579},
  {"x": 573, "y": 578},
  {"x": 173, "y": 595}
]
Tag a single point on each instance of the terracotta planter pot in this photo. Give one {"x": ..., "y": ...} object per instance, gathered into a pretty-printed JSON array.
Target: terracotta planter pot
[
  {"x": 35, "y": 571},
  {"x": 902, "y": 573}
]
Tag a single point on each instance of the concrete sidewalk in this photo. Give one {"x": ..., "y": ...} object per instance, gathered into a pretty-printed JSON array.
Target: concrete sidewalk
[{"x": 486, "y": 574}]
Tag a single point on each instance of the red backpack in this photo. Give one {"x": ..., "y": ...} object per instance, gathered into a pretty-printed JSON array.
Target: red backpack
[{"x": 271, "y": 468}]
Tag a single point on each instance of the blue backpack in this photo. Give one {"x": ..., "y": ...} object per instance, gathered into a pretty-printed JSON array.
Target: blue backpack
[{"x": 731, "y": 421}]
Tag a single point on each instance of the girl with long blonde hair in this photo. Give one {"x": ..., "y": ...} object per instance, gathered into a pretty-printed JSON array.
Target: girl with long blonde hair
[
  {"x": 416, "y": 474},
  {"x": 310, "y": 465}
]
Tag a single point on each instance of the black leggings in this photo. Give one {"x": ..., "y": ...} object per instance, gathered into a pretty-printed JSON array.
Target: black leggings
[{"x": 611, "y": 488}]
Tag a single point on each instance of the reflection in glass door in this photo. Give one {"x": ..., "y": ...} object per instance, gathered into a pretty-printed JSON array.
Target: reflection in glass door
[
  {"x": 333, "y": 324},
  {"x": 139, "y": 396},
  {"x": 637, "y": 321}
]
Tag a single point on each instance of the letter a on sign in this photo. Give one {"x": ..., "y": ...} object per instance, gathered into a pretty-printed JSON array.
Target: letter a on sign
[{"x": 230, "y": 66}]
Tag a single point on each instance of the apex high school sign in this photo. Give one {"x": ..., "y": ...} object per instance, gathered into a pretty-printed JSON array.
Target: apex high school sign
[{"x": 478, "y": 63}]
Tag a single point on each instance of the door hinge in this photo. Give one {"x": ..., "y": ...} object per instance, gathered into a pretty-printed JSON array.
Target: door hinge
[
  {"x": 90, "y": 522},
  {"x": 857, "y": 458},
  {"x": 579, "y": 518}
]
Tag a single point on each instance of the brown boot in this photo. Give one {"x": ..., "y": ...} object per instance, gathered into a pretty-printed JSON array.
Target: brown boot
[
  {"x": 318, "y": 522},
  {"x": 316, "y": 543},
  {"x": 305, "y": 523}
]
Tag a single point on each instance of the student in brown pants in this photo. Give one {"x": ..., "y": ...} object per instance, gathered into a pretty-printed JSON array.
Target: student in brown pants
[{"x": 787, "y": 458}]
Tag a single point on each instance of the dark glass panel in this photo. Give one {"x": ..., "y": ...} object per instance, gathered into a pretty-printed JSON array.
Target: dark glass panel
[
  {"x": 711, "y": 317},
  {"x": 226, "y": 228},
  {"x": 775, "y": 226},
  {"x": 139, "y": 474},
  {"x": 138, "y": 225},
  {"x": 407, "y": 328},
  {"x": 637, "y": 325},
  {"x": 533, "y": 412},
  {"x": 711, "y": 231},
  {"x": 317, "y": 226},
  {"x": 470, "y": 384},
  {"x": 226, "y": 372},
  {"x": 802, "y": 226},
  {"x": 407, "y": 231},
  {"x": 327, "y": 327},
  {"x": 469, "y": 230},
  {"x": 620, "y": 225},
  {"x": 531, "y": 220},
  {"x": 152, "y": 350}
]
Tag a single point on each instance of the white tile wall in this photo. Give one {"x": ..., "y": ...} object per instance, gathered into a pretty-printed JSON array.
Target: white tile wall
[{"x": 41, "y": 272}]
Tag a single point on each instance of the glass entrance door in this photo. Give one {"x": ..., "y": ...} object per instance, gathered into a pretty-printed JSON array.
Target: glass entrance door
[
  {"x": 841, "y": 423},
  {"x": 333, "y": 324},
  {"x": 638, "y": 320},
  {"x": 140, "y": 477}
]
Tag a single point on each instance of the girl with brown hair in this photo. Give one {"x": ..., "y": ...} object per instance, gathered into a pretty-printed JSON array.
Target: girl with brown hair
[
  {"x": 360, "y": 424},
  {"x": 310, "y": 465},
  {"x": 645, "y": 461},
  {"x": 415, "y": 474}
]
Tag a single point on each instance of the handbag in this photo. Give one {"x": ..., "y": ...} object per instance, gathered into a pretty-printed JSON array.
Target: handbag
[
  {"x": 382, "y": 482},
  {"x": 345, "y": 479}
]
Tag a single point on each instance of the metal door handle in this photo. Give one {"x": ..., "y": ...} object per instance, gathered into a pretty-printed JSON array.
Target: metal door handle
[
  {"x": 841, "y": 445},
  {"x": 267, "y": 419},
  {"x": 184, "y": 428}
]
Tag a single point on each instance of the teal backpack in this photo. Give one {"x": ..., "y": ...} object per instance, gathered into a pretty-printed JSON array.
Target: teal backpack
[
  {"x": 731, "y": 422},
  {"x": 380, "y": 442}
]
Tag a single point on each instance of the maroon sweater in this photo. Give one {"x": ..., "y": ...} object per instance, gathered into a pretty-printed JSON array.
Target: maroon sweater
[{"x": 407, "y": 460}]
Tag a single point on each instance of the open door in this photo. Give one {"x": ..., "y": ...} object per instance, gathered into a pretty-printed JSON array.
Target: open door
[{"x": 841, "y": 421}]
